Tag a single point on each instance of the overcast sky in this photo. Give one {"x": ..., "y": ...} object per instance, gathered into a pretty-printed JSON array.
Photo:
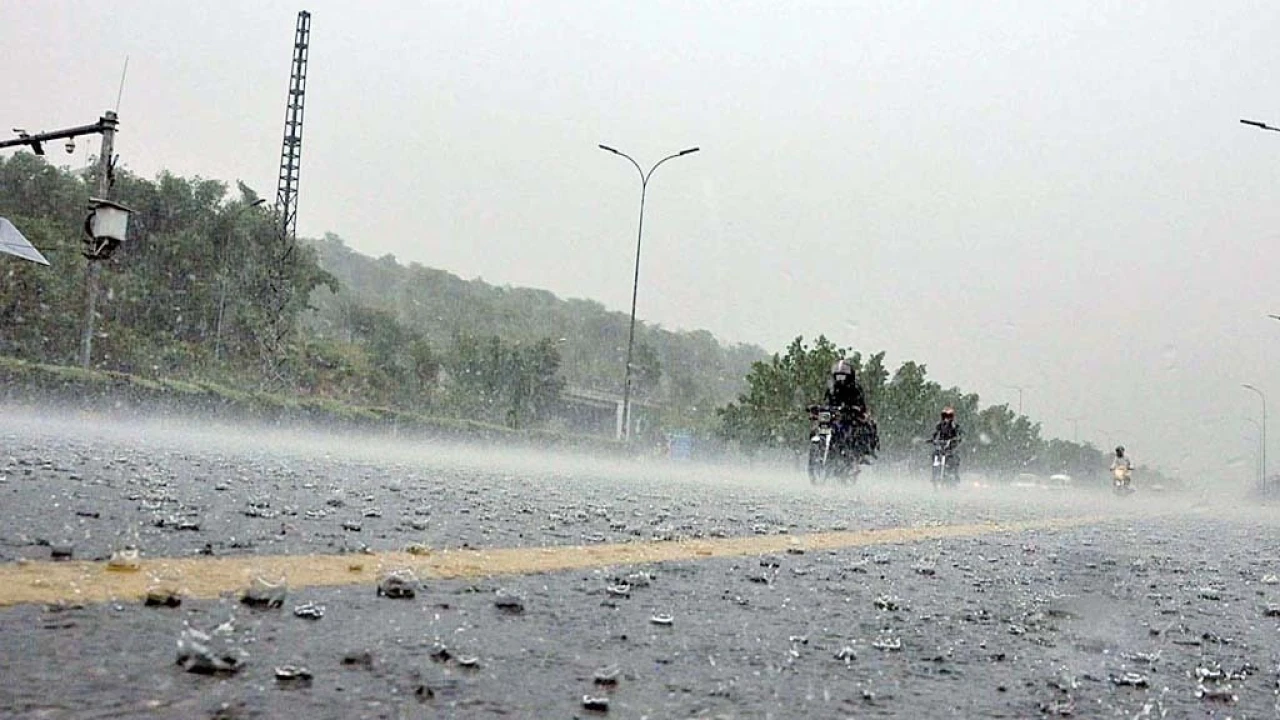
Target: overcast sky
[{"x": 1053, "y": 195}]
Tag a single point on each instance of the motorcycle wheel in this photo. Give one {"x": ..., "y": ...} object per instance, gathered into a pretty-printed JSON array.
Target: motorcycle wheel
[
  {"x": 851, "y": 472},
  {"x": 817, "y": 464}
]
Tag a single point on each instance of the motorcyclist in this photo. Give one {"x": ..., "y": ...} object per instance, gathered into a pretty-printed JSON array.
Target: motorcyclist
[
  {"x": 947, "y": 436},
  {"x": 1121, "y": 466},
  {"x": 845, "y": 395}
]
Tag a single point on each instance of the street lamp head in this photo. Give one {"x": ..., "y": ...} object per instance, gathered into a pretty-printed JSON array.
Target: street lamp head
[
  {"x": 690, "y": 151},
  {"x": 1259, "y": 125},
  {"x": 609, "y": 149}
]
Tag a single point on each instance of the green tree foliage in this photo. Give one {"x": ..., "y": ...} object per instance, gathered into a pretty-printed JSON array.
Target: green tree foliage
[
  {"x": 205, "y": 285},
  {"x": 772, "y": 412},
  {"x": 687, "y": 374},
  {"x": 489, "y": 378}
]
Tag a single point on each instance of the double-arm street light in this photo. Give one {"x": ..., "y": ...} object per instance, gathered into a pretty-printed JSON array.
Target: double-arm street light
[
  {"x": 635, "y": 286},
  {"x": 1262, "y": 471},
  {"x": 1259, "y": 125}
]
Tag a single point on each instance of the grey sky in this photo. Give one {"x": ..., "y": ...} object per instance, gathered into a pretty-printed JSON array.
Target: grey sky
[{"x": 1056, "y": 195}]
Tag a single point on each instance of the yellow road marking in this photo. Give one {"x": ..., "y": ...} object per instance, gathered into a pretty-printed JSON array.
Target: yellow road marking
[{"x": 210, "y": 577}]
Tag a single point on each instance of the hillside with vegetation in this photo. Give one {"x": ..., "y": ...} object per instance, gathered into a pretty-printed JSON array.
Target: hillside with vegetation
[
  {"x": 192, "y": 296},
  {"x": 187, "y": 298}
]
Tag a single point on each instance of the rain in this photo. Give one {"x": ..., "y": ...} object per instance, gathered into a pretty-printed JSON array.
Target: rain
[{"x": 921, "y": 367}]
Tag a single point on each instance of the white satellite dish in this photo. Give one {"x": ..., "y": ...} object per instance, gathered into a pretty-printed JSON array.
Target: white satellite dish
[{"x": 12, "y": 242}]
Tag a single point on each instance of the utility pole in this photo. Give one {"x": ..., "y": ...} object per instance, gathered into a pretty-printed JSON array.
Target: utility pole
[
  {"x": 91, "y": 272},
  {"x": 106, "y": 127}
]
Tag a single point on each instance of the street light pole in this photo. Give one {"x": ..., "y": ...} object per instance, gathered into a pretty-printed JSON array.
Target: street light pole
[
  {"x": 1262, "y": 481},
  {"x": 1257, "y": 426},
  {"x": 635, "y": 285},
  {"x": 1019, "y": 388},
  {"x": 1259, "y": 125}
]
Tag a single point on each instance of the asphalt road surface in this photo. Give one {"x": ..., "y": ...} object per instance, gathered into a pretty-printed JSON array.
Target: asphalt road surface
[{"x": 554, "y": 587}]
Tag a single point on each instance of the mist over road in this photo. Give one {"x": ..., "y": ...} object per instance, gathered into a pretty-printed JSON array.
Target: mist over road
[{"x": 662, "y": 590}]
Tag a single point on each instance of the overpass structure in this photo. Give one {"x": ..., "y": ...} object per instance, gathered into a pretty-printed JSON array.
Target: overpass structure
[{"x": 594, "y": 412}]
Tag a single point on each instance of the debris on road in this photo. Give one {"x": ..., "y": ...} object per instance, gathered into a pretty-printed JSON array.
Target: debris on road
[
  {"x": 508, "y": 602},
  {"x": 309, "y": 611},
  {"x": 125, "y": 560},
  {"x": 293, "y": 675},
  {"x": 162, "y": 597},
  {"x": 400, "y": 583},
  {"x": 196, "y": 656},
  {"x": 607, "y": 675},
  {"x": 263, "y": 593}
]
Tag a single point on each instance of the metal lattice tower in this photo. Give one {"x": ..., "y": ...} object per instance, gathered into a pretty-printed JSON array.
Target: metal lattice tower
[{"x": 291, "y": 147}]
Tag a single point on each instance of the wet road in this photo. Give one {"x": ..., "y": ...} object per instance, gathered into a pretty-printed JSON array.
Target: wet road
[{"x": 697, "y": 592}]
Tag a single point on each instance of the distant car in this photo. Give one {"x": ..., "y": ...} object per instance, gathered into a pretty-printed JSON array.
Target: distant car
[
  {"x": 1059, "y": 481},
  {"x": 1026, "y": 480}
]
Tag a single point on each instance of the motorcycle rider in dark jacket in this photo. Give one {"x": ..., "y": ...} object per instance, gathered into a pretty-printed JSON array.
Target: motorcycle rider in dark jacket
[
  {"x": 947, "y": 435},
  {"x": 845, "y": 395}
]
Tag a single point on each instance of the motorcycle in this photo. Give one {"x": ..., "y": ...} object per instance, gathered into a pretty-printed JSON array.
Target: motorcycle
[
  {"x": 1122, "y": 479},
  {"x": 945, "y": 471},
  {"x": 829, "y": 453}
]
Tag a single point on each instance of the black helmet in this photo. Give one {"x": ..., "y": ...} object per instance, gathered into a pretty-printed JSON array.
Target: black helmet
[
  {"x": 1119, "y": 450},
  {"x": 948, "y": 413},
  {"x": 842, "y": 367}
]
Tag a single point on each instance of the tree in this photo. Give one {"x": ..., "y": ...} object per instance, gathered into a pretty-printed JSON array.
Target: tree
[
  {"x": 772, "y": 411},
  {"x": 646, "y": 370},
  {"x": 770, "y": 414},
  {"x": 490, "y": 378}
]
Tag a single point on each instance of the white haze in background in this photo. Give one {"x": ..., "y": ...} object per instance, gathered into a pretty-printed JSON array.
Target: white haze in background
[
  {"x": 398, "y": 461},
  {"x": 1057, "y": 196}
]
